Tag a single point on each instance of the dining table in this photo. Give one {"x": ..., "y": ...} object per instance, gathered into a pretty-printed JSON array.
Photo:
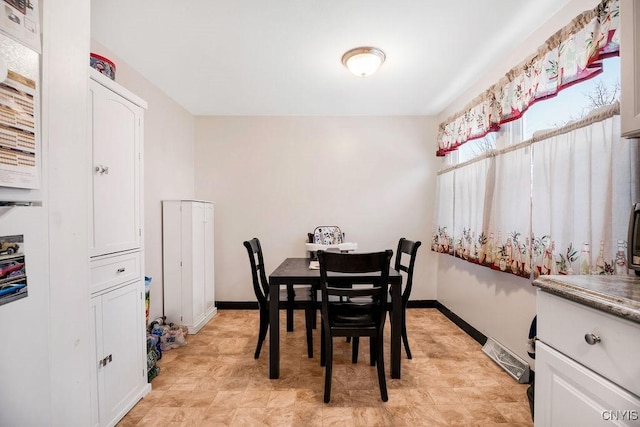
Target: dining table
[{"x": 296, "y": 271}]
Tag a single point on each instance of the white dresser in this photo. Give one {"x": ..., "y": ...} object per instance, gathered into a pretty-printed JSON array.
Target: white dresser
[
  {"x": 188, "y": 262},
  {"x": 588, "y": 351},
  {"x": 117, "y": 315}
]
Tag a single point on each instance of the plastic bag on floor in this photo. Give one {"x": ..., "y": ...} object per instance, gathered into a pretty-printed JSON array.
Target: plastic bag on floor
[
  {"x": 169, "y": 336},
  {"x": 174, "y": 336},
  {"x": 152, "y": 356}
]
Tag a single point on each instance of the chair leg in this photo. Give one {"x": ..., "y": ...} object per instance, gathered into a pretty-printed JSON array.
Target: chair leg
[
  {"x": 354, "y": 349},
  {"x": 314, "y": 299},
  {"x": 328, "y": 368},
  {"x": 373, "y": 352},
  {"x": 323, "y": 355},
  {"x": 380, "y": 362},
  {"x": 264, "y": 325},
  {"x": 404, "y": 338},
  {"x": 309, "y": 313}
]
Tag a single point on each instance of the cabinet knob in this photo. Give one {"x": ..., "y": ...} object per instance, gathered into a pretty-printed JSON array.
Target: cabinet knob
[
  {"x": 121, "y": 270},
  {"x": 102, "y": 169},
  {"x": 592, "y": 339}
]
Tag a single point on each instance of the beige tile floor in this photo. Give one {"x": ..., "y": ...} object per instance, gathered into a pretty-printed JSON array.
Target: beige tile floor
[{"x": 215, "y": 381}]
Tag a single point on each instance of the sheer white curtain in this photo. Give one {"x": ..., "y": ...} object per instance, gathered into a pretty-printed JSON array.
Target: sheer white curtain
[
  {"x": 556, "y": 204},
  {"x": 584, "y": 183},
  {"x": 442, "y": 240},
  {"x": 507, "y": 219},
  {"x": 469, "y": 208}
]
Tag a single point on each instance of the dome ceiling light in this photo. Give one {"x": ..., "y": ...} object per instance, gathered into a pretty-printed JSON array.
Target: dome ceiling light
[{"x": 363, "y": 61}]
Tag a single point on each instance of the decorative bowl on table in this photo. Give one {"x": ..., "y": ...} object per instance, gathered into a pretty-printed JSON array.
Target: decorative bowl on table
[{"x": 103, "y": 65}]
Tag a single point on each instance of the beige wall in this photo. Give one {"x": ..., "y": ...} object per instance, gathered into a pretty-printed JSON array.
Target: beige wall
[
  {"x": 168, "y": 163},
  {"x": 498, "y": 305},
  {"x": 276, "y": 178}
]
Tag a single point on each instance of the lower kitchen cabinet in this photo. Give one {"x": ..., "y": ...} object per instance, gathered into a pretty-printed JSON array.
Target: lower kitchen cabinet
[
  {"x": 568, "y": 394},
  {"x": 118, "y": 343},
  {"x": 587, "y": 370}
]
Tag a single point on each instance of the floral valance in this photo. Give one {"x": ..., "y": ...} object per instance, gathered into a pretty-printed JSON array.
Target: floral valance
[{"x": 572, "y": 54}]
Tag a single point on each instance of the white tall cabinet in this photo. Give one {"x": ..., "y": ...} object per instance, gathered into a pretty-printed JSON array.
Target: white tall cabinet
[
  {"x": 188, "y": 272},
  {"x": 117, "y": 315}
]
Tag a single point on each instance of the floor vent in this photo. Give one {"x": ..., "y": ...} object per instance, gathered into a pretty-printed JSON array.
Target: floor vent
[{"x": 514, "y": 365}]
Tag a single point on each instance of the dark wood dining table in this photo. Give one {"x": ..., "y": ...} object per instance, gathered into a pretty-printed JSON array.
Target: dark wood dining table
[{"x": 296, "y": 271}]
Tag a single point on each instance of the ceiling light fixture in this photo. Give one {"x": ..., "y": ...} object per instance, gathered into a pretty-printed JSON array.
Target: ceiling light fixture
[{"x": 363, "y": 61}]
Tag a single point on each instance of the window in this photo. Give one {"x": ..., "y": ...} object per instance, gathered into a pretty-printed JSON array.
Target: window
[
  {"x": 571, "y": 104},
  {"x": 575, "y": 102}
]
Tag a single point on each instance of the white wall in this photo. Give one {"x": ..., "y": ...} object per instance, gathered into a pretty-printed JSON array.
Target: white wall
[
  {"x": 25, "y": 369},
  {"x": 65, "y": 94},
  {"x": 45, "y": 347},
  {"x": 277, "y": 178},
  {"x": 168, "y": 163},
  {"x": 497, "y": 304}
]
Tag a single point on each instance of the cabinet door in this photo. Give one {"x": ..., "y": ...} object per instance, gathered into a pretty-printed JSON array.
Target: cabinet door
[
  {"x": 198, "y": 261},
  {"x": 209, "y": 287},
  {"x": 97, "y": 377},
  {"x": 568, "y": 394},
  {"x": 122, "y": 349},
  {"x": 115, "y": 133}
]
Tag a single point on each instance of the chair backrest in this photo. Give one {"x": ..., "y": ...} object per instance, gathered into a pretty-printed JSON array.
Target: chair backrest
[
  {"x": 333, "y": 285},
  {"x": 410, "y": 249},
  {"x": 260, "y": 283}
]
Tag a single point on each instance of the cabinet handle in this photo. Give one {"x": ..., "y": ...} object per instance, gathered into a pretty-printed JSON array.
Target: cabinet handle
[
  {"x": 106, "y": 360},
  {"x": 592, "y": 339},
  {"x": 102, "y": 169},
  {"x": 121, "y": 270}
]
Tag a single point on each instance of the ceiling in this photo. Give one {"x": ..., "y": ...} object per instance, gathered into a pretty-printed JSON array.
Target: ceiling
[{"x": 283, "y": 57}]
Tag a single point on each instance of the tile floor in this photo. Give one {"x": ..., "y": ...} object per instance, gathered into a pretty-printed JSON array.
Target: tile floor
[{"x": 215, "y": 381}]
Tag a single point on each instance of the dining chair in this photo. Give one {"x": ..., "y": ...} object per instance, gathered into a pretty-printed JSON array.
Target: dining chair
[
  {"x": 404, "y": 264},
  {"x": 301, "y": 297},
  {"x": 344, "y": 316}
]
